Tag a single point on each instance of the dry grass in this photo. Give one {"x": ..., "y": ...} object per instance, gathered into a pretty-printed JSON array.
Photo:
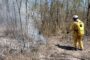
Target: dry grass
[{"x": 35, "y": 54}]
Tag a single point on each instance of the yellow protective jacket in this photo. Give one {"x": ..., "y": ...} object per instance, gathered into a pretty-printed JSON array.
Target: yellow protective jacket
[{"x": 77, "y": 27}]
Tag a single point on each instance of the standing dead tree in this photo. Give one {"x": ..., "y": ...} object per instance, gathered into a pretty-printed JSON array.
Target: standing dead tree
[
  {"x": 19, "y": 8},
  {"x": 88, "y": 17},
  {"x": 26, "y": 2}
]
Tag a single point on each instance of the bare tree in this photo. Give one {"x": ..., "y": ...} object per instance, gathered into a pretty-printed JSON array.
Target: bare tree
[
  {"x": 19, "y": 8},
  {"x": 26, "y": 16},
  {"x": 7, "y": 9},
  {"x": 88, "y": 15}
]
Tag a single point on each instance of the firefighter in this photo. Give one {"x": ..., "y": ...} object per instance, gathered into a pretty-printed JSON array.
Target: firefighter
[{"x": 77, "y": 27}]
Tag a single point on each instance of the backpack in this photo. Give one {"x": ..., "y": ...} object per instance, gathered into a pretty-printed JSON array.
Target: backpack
[{"x": 80, "y": 27}]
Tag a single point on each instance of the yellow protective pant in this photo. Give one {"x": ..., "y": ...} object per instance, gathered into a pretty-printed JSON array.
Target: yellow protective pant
[{"x": 78, "y": 42}]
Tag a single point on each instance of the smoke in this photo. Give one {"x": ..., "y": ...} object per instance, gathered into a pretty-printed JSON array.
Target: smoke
[
  {"x": 12, "y": 13},
  {"x": 32, "y": 16},
  {"x": 34, "y": 32}
]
